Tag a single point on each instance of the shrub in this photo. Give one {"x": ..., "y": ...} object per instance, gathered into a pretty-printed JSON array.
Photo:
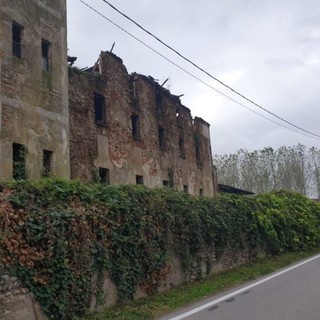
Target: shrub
[{"x": 56, "y": 235}]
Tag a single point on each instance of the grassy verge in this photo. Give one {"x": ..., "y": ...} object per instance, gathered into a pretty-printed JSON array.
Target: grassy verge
[{"x": 155, "y": 306}]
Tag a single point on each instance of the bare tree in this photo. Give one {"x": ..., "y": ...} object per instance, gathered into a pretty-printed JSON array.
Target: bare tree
[
  {"x": 292, "y": 168},
  {"x": 314, "y": 167}
]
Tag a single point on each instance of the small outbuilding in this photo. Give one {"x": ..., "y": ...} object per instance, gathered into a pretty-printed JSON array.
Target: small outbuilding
[{"x": 229, "y": 189}]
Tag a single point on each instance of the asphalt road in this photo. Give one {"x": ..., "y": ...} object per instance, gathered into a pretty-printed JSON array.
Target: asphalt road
[{"x": 290, "y": 294}]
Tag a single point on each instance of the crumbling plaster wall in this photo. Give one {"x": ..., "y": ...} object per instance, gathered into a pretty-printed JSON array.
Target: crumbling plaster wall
[
  {"x": 34, "y": 102},
  {"x": 17, "y": 303},
  {"x": 83, "y": 142},
  {"x": 111, "y": 144}
]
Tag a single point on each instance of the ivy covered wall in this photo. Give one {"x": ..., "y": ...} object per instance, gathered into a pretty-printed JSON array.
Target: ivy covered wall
[{"x": 56, "y": 236}]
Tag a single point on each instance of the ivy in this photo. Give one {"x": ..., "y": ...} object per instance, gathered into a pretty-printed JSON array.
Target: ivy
[{"x": 58, "y": 236}]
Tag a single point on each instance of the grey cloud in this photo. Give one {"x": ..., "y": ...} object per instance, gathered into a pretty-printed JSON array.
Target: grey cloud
[{"x": 271, "y": 41}]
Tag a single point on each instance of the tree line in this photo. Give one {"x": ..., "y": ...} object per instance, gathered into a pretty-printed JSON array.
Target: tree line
[{"x": 294, "y": 168}]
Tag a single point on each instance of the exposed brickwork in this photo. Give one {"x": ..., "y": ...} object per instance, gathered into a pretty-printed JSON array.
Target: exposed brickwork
[
  {"x": 112, "y": 144},
  {"x": 83, "y": 144},
  {"x": 34, "y": 101},
  {"x": 207, "y": 263},
  {"x": 144, "y": 130}
]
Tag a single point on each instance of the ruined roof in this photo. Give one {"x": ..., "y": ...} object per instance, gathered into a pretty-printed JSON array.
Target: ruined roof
[
  {"x": 202, "y": 121},
  {"x": 113, "y": 55}
]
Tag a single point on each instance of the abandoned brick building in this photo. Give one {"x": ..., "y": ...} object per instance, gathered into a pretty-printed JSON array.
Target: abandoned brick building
[
  {"x": 34, "y": 121},
  {"x": 132, "y": 130},
  {"x": 98, "y": 124}
]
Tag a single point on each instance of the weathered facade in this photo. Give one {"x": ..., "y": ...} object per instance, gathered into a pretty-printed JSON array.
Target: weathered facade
[
  {"x": 101, "y": 124},
  {"x": 34, "y": 125},
  {"x": 17, "y": 303},
  {"x": 129, "y": 129}
]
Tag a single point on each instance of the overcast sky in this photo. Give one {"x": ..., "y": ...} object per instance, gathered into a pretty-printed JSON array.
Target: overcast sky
[{"x": 269, "y": 50}]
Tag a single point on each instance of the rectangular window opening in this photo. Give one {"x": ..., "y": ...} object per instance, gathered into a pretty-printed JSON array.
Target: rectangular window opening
[
  {"x": 99, "y": 109},
  {"x": 19, "y": 161},
  {"x": 17, "y": 40},
  {"x": 166, "y": 184},
  {"x": 45, "y": 50},
  {"x": 185, "y": 189},
  {"x": 135, "y": 126},
  {"x": 139, "y": 179},
  {"x": 104, "y": 175},
  {"x": 161, "y": 137},
  {"x": 201, "y": 192},
  {"x": 47, "y": 163}
]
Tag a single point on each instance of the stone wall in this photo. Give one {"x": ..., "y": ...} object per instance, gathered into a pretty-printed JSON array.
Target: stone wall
[
  {"x": 16, "y": 303},
  {"x": 168, "y": 148}
]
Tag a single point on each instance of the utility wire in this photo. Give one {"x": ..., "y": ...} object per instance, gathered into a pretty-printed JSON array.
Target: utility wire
[
  {"x": 192, "y": 75},
  {"x": 207, "y": 73}
]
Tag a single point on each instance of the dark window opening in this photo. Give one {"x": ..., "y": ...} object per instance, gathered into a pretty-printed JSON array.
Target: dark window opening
[
  {"x": 19, "y": 161},
  {"x": 99, "y": 109},
  {"x": 47, "y": 163},
  {"x": 16, "y": 40},
  {"x": 165, "y": 183},
  {"x": 139, "y": 179},
  {"x": 135, "y": 126},
  {"x": 161, "y": 137},
  {"x": 185, "y": 189},
  {"x": 201, "y": 192},
  {"x": 104, "y": 175},
  {"x": 159, "y": 103},
  {"x": 45, "y": 49}
]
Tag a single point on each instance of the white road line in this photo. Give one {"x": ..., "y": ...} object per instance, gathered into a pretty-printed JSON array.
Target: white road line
[{"x": 232, "y": 294}]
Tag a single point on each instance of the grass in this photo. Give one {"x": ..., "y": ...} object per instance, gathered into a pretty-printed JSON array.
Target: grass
[{"x": 157, "y": 305}]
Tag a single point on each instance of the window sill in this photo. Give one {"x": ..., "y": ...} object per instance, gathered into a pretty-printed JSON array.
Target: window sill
[
  {"x": 100, "y": 123},
  {"x": 137, "y": 138},
  {"x": 17, "y": 59}
]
